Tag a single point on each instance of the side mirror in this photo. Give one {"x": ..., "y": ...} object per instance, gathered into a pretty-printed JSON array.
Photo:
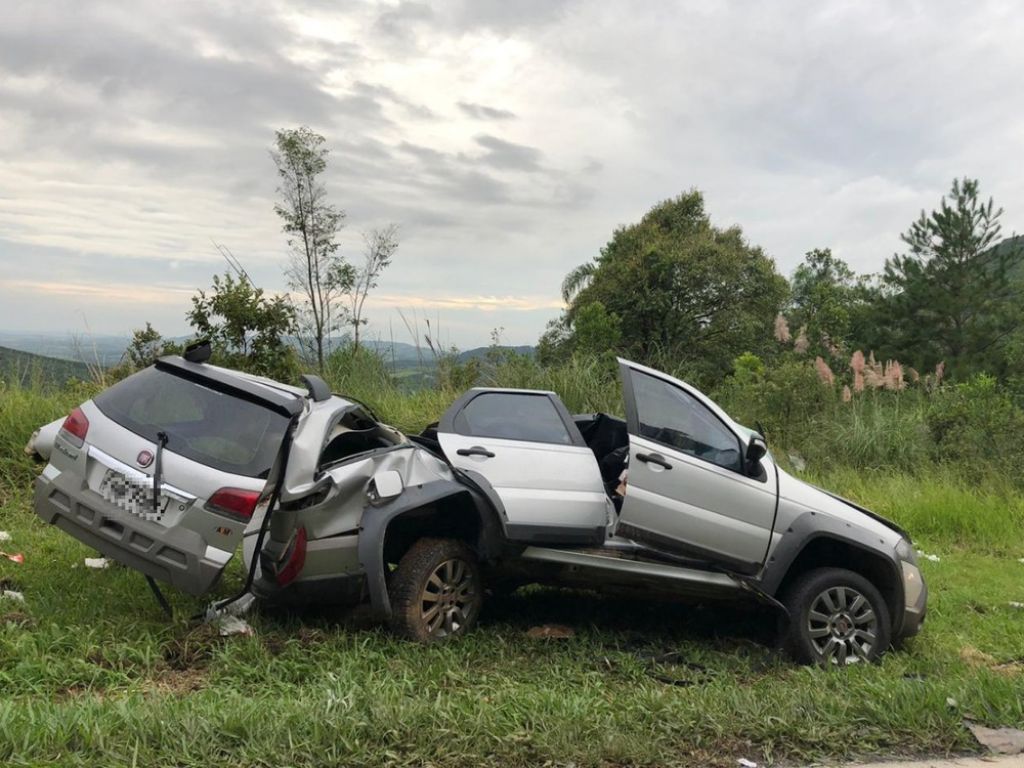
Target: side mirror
[
  {"x": 756, "y": 450},
  {"x": 386, "y": 485}
]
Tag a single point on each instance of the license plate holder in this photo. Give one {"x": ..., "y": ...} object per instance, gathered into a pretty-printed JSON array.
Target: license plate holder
[{"x": 133, "y": 494}]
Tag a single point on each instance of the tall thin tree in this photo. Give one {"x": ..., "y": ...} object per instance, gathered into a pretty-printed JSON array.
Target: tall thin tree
[{"x": 316, "y": 270}]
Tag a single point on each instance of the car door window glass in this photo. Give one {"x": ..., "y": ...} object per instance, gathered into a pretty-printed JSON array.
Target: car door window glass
[
  {"x": 513, "y": 416},
  {"x": 671, "y": 416}
]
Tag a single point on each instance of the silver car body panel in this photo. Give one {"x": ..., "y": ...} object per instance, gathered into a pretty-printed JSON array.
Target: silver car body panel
[
  {"x": 542, "y": 485},
  {"x": 691, "y": 505}
]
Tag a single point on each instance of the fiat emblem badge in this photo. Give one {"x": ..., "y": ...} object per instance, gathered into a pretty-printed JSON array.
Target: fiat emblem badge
[{"x": 144, "y": 459}]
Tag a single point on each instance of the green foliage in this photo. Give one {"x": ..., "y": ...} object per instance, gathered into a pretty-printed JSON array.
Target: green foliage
[
  {"x": 955, "y": 296},
  {"x": 245, "y": 327},
  {"x": 598, "y": 332},
  {"x": 976, "y": 424},
  {"x": 686, "y": 294},
  {"x": 147, "y": 345},
  {"x": 785, "y": 399},
  {"x": 829, "y": 302}
]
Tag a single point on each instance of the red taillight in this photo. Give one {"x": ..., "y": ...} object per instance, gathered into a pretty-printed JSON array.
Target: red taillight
[
  {"x": 234, "y": 502},
  {"x": 75, "y": 427},
  {"x": 296, "y": 560}
]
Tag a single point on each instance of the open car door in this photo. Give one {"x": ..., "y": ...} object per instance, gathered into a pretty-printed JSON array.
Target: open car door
[
  {"x": 526, "y": 447},
  {"x": 689, "y": 491}
]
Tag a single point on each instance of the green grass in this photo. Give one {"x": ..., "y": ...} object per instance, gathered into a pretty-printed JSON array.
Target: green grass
[{"x": 91, "y": 672}]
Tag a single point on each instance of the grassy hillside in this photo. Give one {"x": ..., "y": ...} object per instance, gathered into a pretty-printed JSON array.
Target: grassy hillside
[{"x": 27, "y": 368}]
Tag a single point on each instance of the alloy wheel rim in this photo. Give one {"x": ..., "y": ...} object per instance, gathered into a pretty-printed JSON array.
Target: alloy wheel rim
[
  {"x": 447, "y": 598},
  {"x": 842, "y": 626}
]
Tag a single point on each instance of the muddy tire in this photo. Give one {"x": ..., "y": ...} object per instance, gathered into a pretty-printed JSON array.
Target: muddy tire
[
  {"x": 436, "y": 591},
  {"x": 837, "y": 617}
]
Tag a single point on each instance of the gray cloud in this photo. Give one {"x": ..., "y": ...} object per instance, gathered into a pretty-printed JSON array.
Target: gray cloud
[
  {"x": 508, "y": 156},
  {"x": 507, "y": 139},
  {"x": 483, "y": 112}
]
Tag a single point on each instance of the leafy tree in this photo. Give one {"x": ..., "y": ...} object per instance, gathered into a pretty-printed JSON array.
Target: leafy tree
[
  {"x": 380, "y": 247},
  {"x": 954, "y": 296},
  {"x": 146, "y": 346},
  {"x": 686, "y": 294},
  {"x": 246, "y": 327},
  {"x": 832, "y": 304},
  {"x": 598, "y": 332},
  {"x": 316, "y": 269}
]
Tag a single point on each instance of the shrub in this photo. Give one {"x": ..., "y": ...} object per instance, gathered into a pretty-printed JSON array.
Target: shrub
[{"x": 973, "y": 423}]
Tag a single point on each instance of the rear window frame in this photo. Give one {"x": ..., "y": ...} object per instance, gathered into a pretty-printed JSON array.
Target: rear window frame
[
  {"x": 257, "y": 467},
  {"x": 454, "y": 420}
]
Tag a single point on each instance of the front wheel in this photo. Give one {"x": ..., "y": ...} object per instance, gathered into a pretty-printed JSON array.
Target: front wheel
[
  {"x": 436, "y": 591},
  {"x": 836, "y": 617}
]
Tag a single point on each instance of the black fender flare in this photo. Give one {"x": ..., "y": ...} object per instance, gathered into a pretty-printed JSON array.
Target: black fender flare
[
  {"x": 376, "y": 519},
  {"x": 812, "y": 526}
]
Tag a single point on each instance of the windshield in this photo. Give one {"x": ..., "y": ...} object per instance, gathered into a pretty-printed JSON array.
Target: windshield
[{"x": 202, "y": 424}]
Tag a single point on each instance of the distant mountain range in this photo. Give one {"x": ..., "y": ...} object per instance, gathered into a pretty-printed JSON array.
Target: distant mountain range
[{"x": 107, "y": 350}]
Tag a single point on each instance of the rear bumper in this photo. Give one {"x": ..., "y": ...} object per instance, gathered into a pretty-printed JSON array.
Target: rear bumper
[{"x": 177, "y": 556}]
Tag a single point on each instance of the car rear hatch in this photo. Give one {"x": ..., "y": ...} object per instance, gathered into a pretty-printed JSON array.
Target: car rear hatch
[{"x": 223, "y": 436}]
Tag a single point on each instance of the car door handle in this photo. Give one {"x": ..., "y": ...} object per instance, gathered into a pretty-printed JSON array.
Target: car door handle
[
  {"x": 653, "y": 458},
  {"x": 476, "y": 450}
]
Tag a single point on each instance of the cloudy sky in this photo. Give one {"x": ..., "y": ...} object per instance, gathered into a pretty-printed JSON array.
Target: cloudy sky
[{"x": 506, "y": 139}]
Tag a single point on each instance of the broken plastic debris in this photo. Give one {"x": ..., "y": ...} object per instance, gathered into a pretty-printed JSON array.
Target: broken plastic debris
[
  {"x": 747, "y": 763},
  {"x": 926, "y": 556},
  {"x": 5, "y": 536},
  {"x": 96, "y": 562},
  {"x": 232, "y": 625},
  {"x": 1015, "y": 604},
  {"x": 239, "y": 607},
  {"x": 16, "y": 557},
  {"x": 10, "y": 594},
  {"x": 1002, "y": 741},
  {"x": 951, "y": 702}
]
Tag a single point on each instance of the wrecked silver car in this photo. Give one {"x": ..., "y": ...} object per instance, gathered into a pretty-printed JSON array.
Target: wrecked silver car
[{"x": 169, "y": 470}]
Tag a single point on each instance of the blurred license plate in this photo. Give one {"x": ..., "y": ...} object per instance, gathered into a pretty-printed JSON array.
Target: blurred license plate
[{"x": 133, "y": 495}]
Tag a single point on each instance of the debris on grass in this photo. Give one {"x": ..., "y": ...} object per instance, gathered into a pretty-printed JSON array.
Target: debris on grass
[
  {"x": 1015, "y": 604},
  {"x": 15, "y": 557},
  {"x": 926, "y": 556},
  {"x": 239, "y": 607},
  {"x": 229, "y": 625},
  {"x": 972, "y": 657},
  {"x": 99, "y": 563},
  {"x": 975, "y": 658},
  {"x": 551, "y": 632},
  {"x": 797, "y": 461},
  {"x": 747, "y": 763},
  {"x": 1000, "y": 741},
  {"x": 4, "y": 536},
  {"x": 10, "y": 594},
  {"x": 16, "y": 619}
]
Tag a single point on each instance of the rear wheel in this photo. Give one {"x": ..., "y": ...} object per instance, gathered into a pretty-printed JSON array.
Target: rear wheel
[
  {"x": 436, "y": 591},
  {"x": 837, "y": 617}
]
